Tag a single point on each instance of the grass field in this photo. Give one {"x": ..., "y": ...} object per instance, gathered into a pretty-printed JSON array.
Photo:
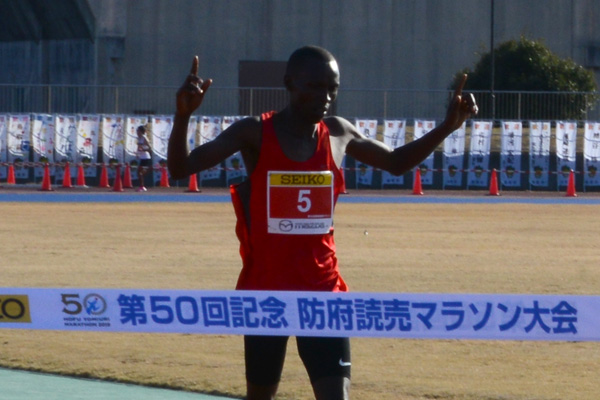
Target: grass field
[{"x": 449, "y": 248}]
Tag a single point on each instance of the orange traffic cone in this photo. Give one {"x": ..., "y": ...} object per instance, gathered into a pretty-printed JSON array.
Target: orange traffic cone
[
  {"x": 118, "y": 187},
  {"x": 164, "y": 177},
  {"x": 46, "y": 184},
  {"x": 81, "y": 176},
  {"x": 10, "y": 180},
  {"x": 127, "y": 177},
  {"x": 494, "y": 184},
  {"x": 417, "y": 188},
  {"x": 571, "y": 185},
  {"x": 193, "y": 185},
  {"x": 67, "y": 177},
  {"x": 104, "y": 177}
]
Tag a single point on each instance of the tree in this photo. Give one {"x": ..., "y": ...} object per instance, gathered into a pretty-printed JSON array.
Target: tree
[{"x": 529, "y": 66}]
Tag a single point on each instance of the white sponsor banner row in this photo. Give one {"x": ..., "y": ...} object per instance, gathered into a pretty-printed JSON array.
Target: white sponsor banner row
[
  {"x": 74, "y": 138},
  {"x": 393, "y": 315}
]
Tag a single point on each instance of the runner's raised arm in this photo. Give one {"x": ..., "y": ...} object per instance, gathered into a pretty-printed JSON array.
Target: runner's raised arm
[{"x": 189, "y": 97}]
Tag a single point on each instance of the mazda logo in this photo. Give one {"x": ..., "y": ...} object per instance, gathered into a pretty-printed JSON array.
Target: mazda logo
[{"x": 286, "y": 225}]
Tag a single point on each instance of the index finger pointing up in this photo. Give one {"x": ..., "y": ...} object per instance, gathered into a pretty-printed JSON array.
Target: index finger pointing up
[
  {"x": 461, "y": 85},
  {"x": 194, "y": 70}
]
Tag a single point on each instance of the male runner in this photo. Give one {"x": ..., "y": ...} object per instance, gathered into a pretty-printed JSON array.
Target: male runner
[{"x": 285, "y": 208}]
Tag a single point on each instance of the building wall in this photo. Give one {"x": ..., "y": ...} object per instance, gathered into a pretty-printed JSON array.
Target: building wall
[{"x": 380, "y": 44}]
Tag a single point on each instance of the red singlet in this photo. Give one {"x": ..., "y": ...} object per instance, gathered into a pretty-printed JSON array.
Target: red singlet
[{"x": 288, "y": 242}]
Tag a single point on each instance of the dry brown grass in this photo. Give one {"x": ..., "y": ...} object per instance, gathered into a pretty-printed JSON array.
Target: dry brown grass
[{"x": 471, "y": 248}]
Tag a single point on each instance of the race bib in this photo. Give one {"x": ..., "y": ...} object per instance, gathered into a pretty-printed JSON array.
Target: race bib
[{"x": 300, "y": 203}]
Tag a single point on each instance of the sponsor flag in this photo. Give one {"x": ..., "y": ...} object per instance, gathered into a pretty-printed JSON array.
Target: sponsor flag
[
  {"x": 64, "y": 143},
  {"x": 3, "y": 157},
  {"x": 364, "y": 172},
  {"x": 18, "y": 143},
  {"x": 394, "y": 135},
  {"x": 192, "y": 132},
  {"x": 539, "y": 153},
  {"x": 510, "y": 153},
  {"x": 345, "y": 172},
  {"x": 566, "y": 136},
  {"x": 426, "y": 167},
  {"x": 479, "y": 157},
  {"x": 88, "y": 128},
  {"x": 42, "y": 138},
  {"x": 131, "y": 141},
  {"x": 235, "y": 169},
  {"x": 454, "y": 155},
  {"x": 210, "y": 128},
  {"x": 591, "y": 154},
  {"x": 161, "y": 131},
  {"x": 113, "y": 141}
]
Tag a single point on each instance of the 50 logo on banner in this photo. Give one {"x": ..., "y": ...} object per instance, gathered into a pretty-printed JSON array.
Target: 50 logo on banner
[
  {"x": 84, "y": 311},
  {"x": 14, "y": 308}
]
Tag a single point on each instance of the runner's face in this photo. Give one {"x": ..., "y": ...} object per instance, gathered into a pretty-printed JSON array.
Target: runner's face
[{"x": 314, "y": 88}]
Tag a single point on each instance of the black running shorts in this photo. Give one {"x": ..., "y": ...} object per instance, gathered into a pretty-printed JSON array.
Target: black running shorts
[{"x": 322, "y": 357}]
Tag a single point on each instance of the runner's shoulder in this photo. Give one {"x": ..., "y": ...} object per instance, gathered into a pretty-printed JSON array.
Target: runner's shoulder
[
  {"x": 247, "y": 128},
  {"x": 341, "y": 128},
  {"x": 338, "y": 126},
  {"x": 247, "y": 123},
  {"x": 246, "y": 131}
]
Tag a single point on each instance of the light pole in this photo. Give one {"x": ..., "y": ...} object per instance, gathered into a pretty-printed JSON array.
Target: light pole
[{"x": 493, "y": 66}]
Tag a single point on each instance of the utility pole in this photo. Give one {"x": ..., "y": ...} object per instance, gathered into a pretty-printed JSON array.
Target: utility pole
[{"x": 493, "y": 61}]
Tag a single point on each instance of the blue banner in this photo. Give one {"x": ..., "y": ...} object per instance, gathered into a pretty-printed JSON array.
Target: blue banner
[{"x": 393, "y": 315}]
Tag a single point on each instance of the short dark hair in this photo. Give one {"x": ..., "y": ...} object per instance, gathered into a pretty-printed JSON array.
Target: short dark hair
[
  {"x": 304, "y": 54},
  {"x": 141, "y": 128}
]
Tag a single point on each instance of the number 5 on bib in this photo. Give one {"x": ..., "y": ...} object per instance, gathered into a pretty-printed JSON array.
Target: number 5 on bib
[{"x": 300, "y": 203}]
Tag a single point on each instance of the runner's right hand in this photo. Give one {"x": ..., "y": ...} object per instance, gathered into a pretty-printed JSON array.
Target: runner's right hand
[{"x": 191, "y": 93}]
